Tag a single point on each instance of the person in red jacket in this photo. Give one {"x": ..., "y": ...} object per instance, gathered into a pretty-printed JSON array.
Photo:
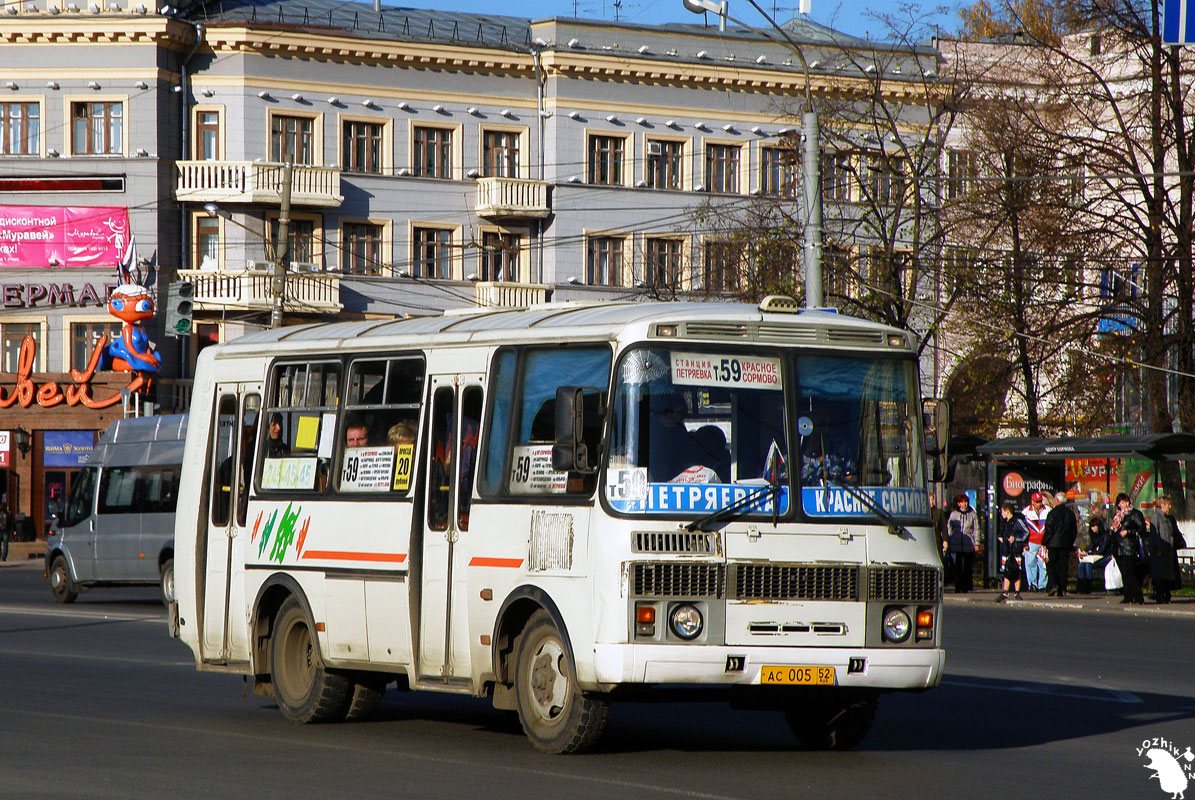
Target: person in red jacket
[{"x": 1034, "y": 562}]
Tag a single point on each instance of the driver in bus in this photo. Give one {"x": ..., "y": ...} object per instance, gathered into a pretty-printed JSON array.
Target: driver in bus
[{"x": 671, "y": 448}]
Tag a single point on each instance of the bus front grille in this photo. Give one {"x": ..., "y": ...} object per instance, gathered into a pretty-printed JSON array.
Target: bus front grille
[
  {"x": 674, "y": 542},
  {"x": 903, "y": 584},
  {"x": 679, "y": 580},
  {"x": 795, "y": 582}
]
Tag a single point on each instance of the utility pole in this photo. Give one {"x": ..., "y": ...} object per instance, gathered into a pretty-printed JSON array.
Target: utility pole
[{"x": 281, "y": 249}]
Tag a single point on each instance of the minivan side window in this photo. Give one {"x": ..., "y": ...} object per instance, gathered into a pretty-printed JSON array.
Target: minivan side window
[
  {"x": 139, "y": 490},
  {"x": 381, "y": 418},
  {"x": 78, "y": 507},
  {"x": 300, "y": 424},
  {"x": 525, "y": 451}
]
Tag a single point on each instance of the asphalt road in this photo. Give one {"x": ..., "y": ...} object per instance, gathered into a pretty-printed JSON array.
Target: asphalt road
[{"x": 97, "y": 702}]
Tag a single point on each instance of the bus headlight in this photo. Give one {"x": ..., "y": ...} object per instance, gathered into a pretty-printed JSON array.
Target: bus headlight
[
  {"x": 685, "y": 621},
  {"x": 896, "y": 625}
]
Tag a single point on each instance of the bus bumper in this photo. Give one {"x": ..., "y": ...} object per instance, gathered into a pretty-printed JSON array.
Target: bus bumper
[{"x": 876, "y": 668}]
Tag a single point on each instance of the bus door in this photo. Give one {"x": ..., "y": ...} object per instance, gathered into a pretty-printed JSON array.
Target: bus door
[
  {"x": 456, "y": 404},
  {"x": 230, "y": 465}
]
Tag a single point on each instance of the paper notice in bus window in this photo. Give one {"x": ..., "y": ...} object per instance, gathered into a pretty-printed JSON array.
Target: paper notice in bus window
[
  {"x": 367, "y": 469},
  {"x": 305, "y": 432},
  {"x": 626, "y": 489},
  {"x": 404, "y": 462},
  {"x": 288, "y": 473},
  {"x": 327, "y": 435},
  {"x": 531, "y": 471},
  {"x": 734, "y": 371}
]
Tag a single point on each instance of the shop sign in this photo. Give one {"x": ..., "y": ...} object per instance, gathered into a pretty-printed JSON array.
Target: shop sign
[
  {"x": 67, "y": 236},
  {"x": 35, "y": 295},
  {"x": 66, "y": 448},
  {"x": 5, "y": 438},
  {"x": 50, "y": 394}
]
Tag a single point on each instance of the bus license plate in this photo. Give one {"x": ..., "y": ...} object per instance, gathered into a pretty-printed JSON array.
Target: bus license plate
[{"x": 798, "y": 676}]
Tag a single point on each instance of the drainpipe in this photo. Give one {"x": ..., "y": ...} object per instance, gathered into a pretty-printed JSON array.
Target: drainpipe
[
  {"x": 184, "y": 124},
  {"x": 539, "y": 133}
]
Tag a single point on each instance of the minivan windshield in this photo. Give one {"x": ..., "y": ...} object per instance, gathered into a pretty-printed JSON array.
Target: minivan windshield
[{"x": 694, "y": 430}]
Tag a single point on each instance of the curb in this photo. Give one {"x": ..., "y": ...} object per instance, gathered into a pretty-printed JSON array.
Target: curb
[{"x": 1108, "y": 604}]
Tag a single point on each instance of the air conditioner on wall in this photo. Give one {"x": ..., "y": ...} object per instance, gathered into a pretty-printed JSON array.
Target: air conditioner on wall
[
  {"x": 303, "y": 266},
  {"x": 655, "y": 148},
  {"x": 259, "y": 266}
]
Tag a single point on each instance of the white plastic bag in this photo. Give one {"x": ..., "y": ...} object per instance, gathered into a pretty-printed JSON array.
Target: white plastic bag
[{"x": 1112, "y": 579}]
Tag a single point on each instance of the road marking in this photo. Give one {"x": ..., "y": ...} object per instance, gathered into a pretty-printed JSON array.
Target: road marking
[
  {"x": 83, "y": 613},
  {"x": 291, "y": 741},
  {"x": 1109, "y": 696},
  {"x": 84, "y": 657}
]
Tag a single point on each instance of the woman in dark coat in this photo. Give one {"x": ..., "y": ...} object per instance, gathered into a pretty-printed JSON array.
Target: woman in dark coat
[
  {"x": 1164, "y": 543},
  {"x": 1128, "y": 526}
]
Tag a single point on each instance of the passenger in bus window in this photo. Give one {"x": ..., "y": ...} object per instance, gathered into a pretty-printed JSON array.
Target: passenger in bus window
[
  {"x": 671, "y": 449},
  {"x": 356, "y": 432},
  {"x": 276, "y": 446},
  {"x": 401, "y": 433}
]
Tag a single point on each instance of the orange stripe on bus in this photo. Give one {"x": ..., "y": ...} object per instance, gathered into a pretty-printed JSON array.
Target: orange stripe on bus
[
  {"x": 345, "y": 555},
  {"x": 481, "y": 561}
]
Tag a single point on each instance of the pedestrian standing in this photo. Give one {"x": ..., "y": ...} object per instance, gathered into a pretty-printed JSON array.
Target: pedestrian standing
[
  {"x": 1096, "y": 543},
  {"x": 1128, "y": 526},
  {"x": 1062, "y": 526},
  {"x": 1165, "y": 541},
  {"x": 7, "y": 526},
  {"x": 962, "y": 541},
  {"x": 1035, "y": 519},
  {"x": 1014, "y": 534}
]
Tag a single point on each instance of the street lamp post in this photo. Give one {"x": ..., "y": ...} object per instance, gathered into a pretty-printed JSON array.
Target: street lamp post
[{"x": 811, "y": 161}]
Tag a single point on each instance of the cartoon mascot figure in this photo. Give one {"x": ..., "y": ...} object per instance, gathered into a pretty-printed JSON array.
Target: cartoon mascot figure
[{"x": 131, "y": 303}]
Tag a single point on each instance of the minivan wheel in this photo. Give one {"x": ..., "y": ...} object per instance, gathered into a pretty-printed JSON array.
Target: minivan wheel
[
  {"x": 61, "y": 586},
  {"x": 304, "y": 689},
  {"x": 168, "y": 581}
]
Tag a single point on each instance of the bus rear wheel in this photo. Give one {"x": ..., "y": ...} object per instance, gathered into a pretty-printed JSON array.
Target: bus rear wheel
[
  {"x": 304, "y": 689},
  {"x": 833, "y": 722},
  {"x": 555, "y": 714},
  {"x": 61, "y": 586}
]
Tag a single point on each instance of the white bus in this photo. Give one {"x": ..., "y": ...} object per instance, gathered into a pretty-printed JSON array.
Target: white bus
[{"x": 563, "y": 506}]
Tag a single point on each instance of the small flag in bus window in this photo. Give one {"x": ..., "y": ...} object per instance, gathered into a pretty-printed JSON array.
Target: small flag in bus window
[{"x": 774, "y": 463}]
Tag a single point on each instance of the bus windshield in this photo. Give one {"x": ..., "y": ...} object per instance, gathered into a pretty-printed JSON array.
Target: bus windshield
[
  {"x": 858, "y": 421},
  {"x": 695, "y": 430}
]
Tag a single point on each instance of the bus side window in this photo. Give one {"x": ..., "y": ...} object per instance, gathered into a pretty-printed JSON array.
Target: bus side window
[
  {"x": 439, "y": 494},
  {"x": 297, "y": 441},
  {"x": 250, "y": 416},
  {"x": 223, "y": 466}
]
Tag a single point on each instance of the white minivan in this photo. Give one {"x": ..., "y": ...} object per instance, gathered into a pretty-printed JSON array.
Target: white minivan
[{"x": 118, "y": 525}]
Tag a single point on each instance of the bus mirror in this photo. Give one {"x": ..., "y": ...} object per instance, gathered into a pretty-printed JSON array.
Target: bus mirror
[
  {"x": 570, "y": 414},
  {"x": 570, "y": 452},
  {"x": 936, "y": 416},
  {"x": 571, "y": 458}
]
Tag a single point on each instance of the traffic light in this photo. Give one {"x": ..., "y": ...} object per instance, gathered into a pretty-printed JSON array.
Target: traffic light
[{"x": 180, "y": 302}]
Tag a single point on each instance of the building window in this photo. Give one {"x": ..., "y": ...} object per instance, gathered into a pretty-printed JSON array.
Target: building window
[
  {"x": 836, "y": 270},
  {"x": 961, "y": 172},
  {"x": 722, "y": 168},
  {"x": 499, "y": 256},
  {"x": 886, "y": 180},
  {"x": 605, "y": 160},
  {"x": 20, "y": 128},
  {"x": 433, "y": 253},
  {"x": 363, "y": 146},
  {"x": 664, "y": 163},
  {"x": 207, "y": 135},
  {"x": 207, "y": 243},
  {"x": 603, "y": 261},
  {"x": 292, "y": 139},
  {"x": 722, "y": 261},
  {"x": 500, "y": 156},
  {"x": 11, "y": 336},
  {"x": 836, "y": 176},
  {"x": 85, "y": 336},
  {"x": 97, "y": 128},
  {"x": 301, "y": 236},
  {"x": 778, "y": 171},
  {"x": 663, "y": 265},
  {"x": 433, "y": 152},
  {"x": 362, "y": 248}
]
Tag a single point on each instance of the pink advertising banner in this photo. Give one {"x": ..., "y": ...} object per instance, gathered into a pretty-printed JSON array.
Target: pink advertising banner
[{"x": 67, "y": 236}]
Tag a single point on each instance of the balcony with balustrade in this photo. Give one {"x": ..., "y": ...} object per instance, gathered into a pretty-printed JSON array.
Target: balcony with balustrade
[
  {"x": 512, "y": 198},
  {"x": 230, "y": 290},
  {"x": 255, "y": 182}
]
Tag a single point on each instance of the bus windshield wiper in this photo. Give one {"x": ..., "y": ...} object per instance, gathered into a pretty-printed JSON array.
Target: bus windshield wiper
[
  {"x": 894, "y": 527},
  {"x": 736, "y": 509}
]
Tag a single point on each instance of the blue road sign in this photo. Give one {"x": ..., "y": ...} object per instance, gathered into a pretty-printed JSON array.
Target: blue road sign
[{"x": 1178, "y": 22}]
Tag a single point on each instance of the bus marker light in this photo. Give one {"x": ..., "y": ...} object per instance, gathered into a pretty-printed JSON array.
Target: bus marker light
[
  {"x": 925, "y": 619},
  {"x": 645, "y": 614},
  {"x": 319, "y": 626},
  {"x": 487, "y": 594}
]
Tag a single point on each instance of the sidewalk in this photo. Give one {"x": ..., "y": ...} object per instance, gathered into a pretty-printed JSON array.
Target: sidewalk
[
  {"x": 1096, "y": 601},
  {"x": 22, "y": 553}
]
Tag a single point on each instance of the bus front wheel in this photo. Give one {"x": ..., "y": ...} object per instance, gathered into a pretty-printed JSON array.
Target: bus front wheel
[
  {"x": 61, "y": 586},
  {"x": 832, "y": 723},
  {"x": 555, "y": 714},
  {"x": 304, "y": 689}
]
